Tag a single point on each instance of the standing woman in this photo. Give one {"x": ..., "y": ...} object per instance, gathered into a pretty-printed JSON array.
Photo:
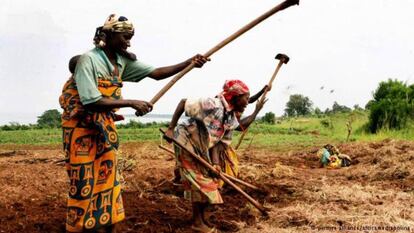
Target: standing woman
[{"x": 90, "y": 139}]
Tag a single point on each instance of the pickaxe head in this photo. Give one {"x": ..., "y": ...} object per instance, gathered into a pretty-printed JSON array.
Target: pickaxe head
[
  {"x": 289, "y": 3},
  {"x": 282, "y": 57}
]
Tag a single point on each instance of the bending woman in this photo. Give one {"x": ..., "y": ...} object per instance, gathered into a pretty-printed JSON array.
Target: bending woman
[{"x": 211, "y": 123}]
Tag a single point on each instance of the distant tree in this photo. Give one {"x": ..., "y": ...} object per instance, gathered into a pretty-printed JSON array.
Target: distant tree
[
  {"x": 340, "y": 108},
  {"x": 392, "y": 105},
  {"x": 318, "y": 111},
  {"x": 131, "y": 124},
  {"x": 14, "y": 126},
  {"x": 349, "y": 122},
  {"x": 49, "y": 118},
  {"x": 357, "y": 107},
  {"x": 269, "y": 117},
  {"x": 369, "y": 104},
  {"x": 298, "y": 105}
]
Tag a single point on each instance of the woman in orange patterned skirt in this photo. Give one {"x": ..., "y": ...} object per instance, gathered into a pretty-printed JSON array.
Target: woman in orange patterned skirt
[{"x": 89, "y": 100}]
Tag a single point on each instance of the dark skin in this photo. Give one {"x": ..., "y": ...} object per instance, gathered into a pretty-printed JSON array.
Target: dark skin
[
  {"x": 72, "y": 63},
  {"x": 239, "y": 103},
  {"x": 253, "y": 98},
  {"x": 118, "y": 43}
]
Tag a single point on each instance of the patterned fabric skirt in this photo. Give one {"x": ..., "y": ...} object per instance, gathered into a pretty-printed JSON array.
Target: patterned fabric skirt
[
  {"x": 198, "y": 184},
  {"x": 229, "y": 163},
  {"x": 95, "y": 192}
]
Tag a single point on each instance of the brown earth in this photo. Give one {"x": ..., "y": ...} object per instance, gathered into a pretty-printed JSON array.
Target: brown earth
[{"x": 377, "y": 190}]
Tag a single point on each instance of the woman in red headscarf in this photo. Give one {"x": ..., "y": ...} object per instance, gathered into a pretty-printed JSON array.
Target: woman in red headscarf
[{"x": 207, "y": 132}]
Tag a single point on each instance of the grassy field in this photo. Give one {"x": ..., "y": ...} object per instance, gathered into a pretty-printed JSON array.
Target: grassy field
[{"x": 297, "y": 132}]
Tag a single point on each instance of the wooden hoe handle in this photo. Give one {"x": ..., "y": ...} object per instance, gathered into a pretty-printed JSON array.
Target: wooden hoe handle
[
  {"x": 225, "y": 174},
  {"x": 229, "y": 39},
  {"x": 220, "y": 174},
  {"x": 283, "y": 59}
]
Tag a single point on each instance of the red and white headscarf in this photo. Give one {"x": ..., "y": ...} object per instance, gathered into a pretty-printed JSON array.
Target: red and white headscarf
[{"x": 233, "y": 88}]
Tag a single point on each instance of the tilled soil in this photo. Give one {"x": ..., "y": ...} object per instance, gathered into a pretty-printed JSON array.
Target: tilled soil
[{"x": 377, "y": 190}]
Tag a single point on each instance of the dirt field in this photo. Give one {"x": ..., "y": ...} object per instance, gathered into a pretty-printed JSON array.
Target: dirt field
[{"x": 376, "y": 191}]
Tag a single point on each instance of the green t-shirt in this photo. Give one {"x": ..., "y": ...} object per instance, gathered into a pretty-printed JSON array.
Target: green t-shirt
[{"x": 95, "y": 63}]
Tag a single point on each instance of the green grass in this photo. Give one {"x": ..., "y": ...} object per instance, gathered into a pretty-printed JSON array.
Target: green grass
[
  {"x": 54, "y": 136},
  {"x": 305, "y": 132},
  {"x": 32, "y": 136},
  {"x": 293, "y": 132}
]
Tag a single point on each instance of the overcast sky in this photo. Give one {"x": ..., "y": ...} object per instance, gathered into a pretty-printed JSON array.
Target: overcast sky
[{"x": 348, "y": 46}]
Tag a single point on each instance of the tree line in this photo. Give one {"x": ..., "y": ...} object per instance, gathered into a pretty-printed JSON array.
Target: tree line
[
  {"x": 391, "y": 107},
  {"x": 49, "y": 119},
  {"x": 300, "y": 105}
]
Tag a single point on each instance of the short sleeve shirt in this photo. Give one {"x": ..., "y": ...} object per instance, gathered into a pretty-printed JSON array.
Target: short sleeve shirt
[
  {"x": 95, "y": 64},
  {"x": 219, "y": 122},
  {"x": 324, "y": 156}
]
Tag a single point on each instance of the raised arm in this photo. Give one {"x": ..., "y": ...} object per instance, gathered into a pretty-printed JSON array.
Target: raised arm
[
  {"x": 245, "y": 122},
  {"x": 253, "y": 98},
  {"x": 167, "y": 71}
]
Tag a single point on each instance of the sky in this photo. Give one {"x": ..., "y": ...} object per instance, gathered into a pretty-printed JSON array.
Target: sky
[{"x": 348, "y": 46}]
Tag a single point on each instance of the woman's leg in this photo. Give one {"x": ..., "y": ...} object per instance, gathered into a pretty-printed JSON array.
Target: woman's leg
[
  {"x": 198, "y": 217},
  {"x": 205, "y": 215}
]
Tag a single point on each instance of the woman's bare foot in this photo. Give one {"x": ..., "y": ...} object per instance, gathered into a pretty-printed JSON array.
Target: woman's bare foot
[{"x": 204, "y": 228}]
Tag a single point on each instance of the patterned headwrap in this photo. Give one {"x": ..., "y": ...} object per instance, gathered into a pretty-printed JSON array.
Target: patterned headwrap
[
  {"x": 112, "y": 24},
  {"x": 233, "y": 88},
  {"x": 118, "y": 24},
  {"x": 331, "y": 149}
]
